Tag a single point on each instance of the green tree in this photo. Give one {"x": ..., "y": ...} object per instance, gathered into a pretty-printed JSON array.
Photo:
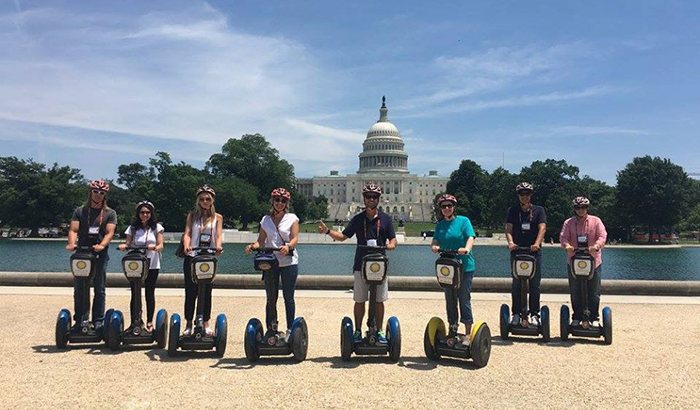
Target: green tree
[
  {"x": 255, "y": 161},
  {"x": 556, "y": 183},
  {"x": 174, "y": 190},
  {"x": 653, "y": 192},
  {"x": 138, "y": 180},
  {"x": 499, "y": 193},
  {"x": 33, "y": 196},
  {"x": 468, "y": 184}
]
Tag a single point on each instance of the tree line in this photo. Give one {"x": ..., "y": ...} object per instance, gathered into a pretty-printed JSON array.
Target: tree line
[
  {"x": 33, "y": 195},
  {"x": 651, "y": 194}
]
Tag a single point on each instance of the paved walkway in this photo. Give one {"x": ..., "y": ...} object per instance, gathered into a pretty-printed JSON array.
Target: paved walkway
[{"x": 652, "y": 362}]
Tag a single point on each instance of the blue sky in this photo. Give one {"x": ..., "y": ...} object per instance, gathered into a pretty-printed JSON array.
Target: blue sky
[{"x": 97, "y": 84}]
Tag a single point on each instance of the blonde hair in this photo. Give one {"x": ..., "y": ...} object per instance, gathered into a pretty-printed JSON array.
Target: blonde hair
[{"x": 197, "y": 212}]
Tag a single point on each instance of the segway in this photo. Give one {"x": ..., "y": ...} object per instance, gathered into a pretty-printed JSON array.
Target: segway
[
  {"x": 582, "y": 269},
  {"x": 135, "y": 265},
  {"x": 273, "y": 342},
  {"x": 374, "y": 270},
  {"x": 523, "y": 269},
  {"x": 436, "y": 341},
  {"x": 83, "y": 264},
  {"x": 203, "y": 273}
]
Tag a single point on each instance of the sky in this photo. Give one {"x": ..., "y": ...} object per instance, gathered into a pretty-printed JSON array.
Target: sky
[{"x": 97, "y": 84}]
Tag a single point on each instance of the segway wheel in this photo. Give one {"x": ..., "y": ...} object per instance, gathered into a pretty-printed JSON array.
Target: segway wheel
[
  {"x": 253, "y": 335},
  {"x": 174, "y": 335},
  {"x": 346, "y": 342},
  {"x": 105, "y": 326},
  {"x": 607, "y": 325},
  {"x": 116, "y": 327},
  {"x": 393, "y": 335},
  {"x": 564, "y": 323},
  {"x": 480, "y": 344},
  {"x": 430, "y": 337},
  {"x": 505, "y": 321},
  {"x": 300, "y": 341},
  {"x": 62, "y": 328},
  {"x": 221, "y": 330},
  {"x": 544, "y": 323},
  {"x": 161, "y": 328}
]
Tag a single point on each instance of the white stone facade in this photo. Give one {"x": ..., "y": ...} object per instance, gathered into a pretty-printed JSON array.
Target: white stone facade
[{"x": 406, "y": 196}]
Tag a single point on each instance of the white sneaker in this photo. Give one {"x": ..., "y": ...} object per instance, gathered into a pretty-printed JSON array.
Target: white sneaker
[
  {"x": 188, "y": 331},
  {"x": 535, "y": 320},
  {"x": 515, "y": 319},
  {"x": 595, "y": 323}
]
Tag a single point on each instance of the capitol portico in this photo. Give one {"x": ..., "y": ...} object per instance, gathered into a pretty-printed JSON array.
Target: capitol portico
[{"x": 384, "y": 161}]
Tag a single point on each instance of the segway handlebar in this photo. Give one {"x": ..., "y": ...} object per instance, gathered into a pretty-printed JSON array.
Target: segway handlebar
[
  {"x": 523, "y": 249},
  {"x": 379, "y": 248},
  {"x": 264, "y": 249},
  {"x": 210, "y": 251}
]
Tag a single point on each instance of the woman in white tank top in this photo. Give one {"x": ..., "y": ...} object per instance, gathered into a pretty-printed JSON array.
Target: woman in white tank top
[
  {"x": 279, "y": 229},
  {"x": 203, "y": 229}
]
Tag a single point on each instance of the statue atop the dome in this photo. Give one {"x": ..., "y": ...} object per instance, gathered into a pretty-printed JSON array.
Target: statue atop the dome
[{"x": 383, "y": 101}]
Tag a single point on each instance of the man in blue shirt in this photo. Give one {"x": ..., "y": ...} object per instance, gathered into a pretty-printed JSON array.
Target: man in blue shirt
[{"x": 373, "y": 228}]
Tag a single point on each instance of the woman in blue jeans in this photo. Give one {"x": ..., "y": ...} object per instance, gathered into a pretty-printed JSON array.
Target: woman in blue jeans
[
  {"x": 279, "y": 229},
  {"x": 455, "y": 232}
]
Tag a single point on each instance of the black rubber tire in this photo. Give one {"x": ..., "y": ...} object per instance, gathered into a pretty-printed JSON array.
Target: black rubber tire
[
  {"x": 564, "y": 323},
  {"x": 346, "y": 339},
  {"x": 174, "y": 335},
  {"x": 480, "y": 348},
  {"x": 300, "y": 342},
  {"x": 544, "y": 324},
  {"x": 504, "y": 321}
]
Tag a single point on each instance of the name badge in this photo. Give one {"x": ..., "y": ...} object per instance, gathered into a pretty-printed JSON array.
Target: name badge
[
  {"x": 371, "y": 242},
  {"x": 582, "y": 239},
  {"x": 525, "y": 226},
  {"x": 204, "y": 238},
  {"x": 94, "y": 230}
]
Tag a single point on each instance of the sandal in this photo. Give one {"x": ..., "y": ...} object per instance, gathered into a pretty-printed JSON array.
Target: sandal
[
  {"x": 209, "y": 332},
  {"x": 149, "y": 327}
]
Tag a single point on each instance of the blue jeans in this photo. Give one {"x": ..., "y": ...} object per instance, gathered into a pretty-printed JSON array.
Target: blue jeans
[
  {"x": 98, "y": 302},
  {"x": 272, "y": 284},
  {"x": 465, "y": 300},
  {"x": 534, "y": 289},
  {"x": 593, "y": 294}
]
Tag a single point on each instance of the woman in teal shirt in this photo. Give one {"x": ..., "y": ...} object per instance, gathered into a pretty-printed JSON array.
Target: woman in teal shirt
[{"x": 455, "y": 232}]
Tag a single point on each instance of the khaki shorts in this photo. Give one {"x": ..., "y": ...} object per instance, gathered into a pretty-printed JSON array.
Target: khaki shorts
[{"x": 360, "y": 289}]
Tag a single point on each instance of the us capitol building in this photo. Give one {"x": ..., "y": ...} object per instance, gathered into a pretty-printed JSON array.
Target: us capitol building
[{"x": 406, "y": 196}]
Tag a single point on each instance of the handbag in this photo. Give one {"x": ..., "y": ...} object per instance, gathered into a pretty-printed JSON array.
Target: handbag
[{"x": 180, "y": 251}]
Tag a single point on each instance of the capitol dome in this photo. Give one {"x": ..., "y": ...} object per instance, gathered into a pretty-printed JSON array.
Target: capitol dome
[{"x": 383, "y": 149}]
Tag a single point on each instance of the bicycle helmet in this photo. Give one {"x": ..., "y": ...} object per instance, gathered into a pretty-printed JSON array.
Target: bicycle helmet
[
  {"x": 281, "y": 192},
  {"x": 147, "y": 204},
  {"x": 447, "y": 197},
  {"x": 580, "y": 201},
  {"x": 207, "y": 189},
  {"x": 524, "y": 186},
  {"x": 100, "y": 184},
  {"x": 372, "y": 188}
]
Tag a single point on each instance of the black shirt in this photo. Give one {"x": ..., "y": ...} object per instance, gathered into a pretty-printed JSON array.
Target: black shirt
[
  {"x": 379, "y": 228},
  {"x": 526, "y": 223}
]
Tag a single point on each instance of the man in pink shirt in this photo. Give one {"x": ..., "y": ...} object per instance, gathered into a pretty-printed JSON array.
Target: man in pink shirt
[{"x": 584, "y": 231}]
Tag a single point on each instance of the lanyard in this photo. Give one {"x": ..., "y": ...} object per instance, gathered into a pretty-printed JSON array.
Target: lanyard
[
  {"x": 100, "y": 221},
  {"x": 211, "y": 228},
  {"x": 585, "y": 226},
  {"x": 146, "y": 233},
  {"x": 379, "y": 223},
  {"x": 520, "y": 215}
]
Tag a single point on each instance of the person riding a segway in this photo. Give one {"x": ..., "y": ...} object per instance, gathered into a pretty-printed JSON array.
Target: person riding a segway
[
  {"x": 583, "y": 236},
  {"x": 202, "y": 244},
  {"x": 375, "y": 233},
  {"x": 91, "y": 229},
  {"x": 141, "y": 265},
  {"x": 454, "y": 240},
  {"x": 277, "y": 259},
  {"x": 525, "y": 227}
]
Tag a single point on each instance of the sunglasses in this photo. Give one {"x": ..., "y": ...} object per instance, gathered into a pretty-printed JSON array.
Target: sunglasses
[
  {"x": 205, "y": 199},
  {"x": 372, "y": 197},
  {"x": 524, "y": 193},
  {"x": 98, "y": 192},
  {"x": 145, "y": 212},
  {"x": 580, "y": 207},
  {"x": 280, "y": 199},
  {"x": 447, "y": 206}
]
